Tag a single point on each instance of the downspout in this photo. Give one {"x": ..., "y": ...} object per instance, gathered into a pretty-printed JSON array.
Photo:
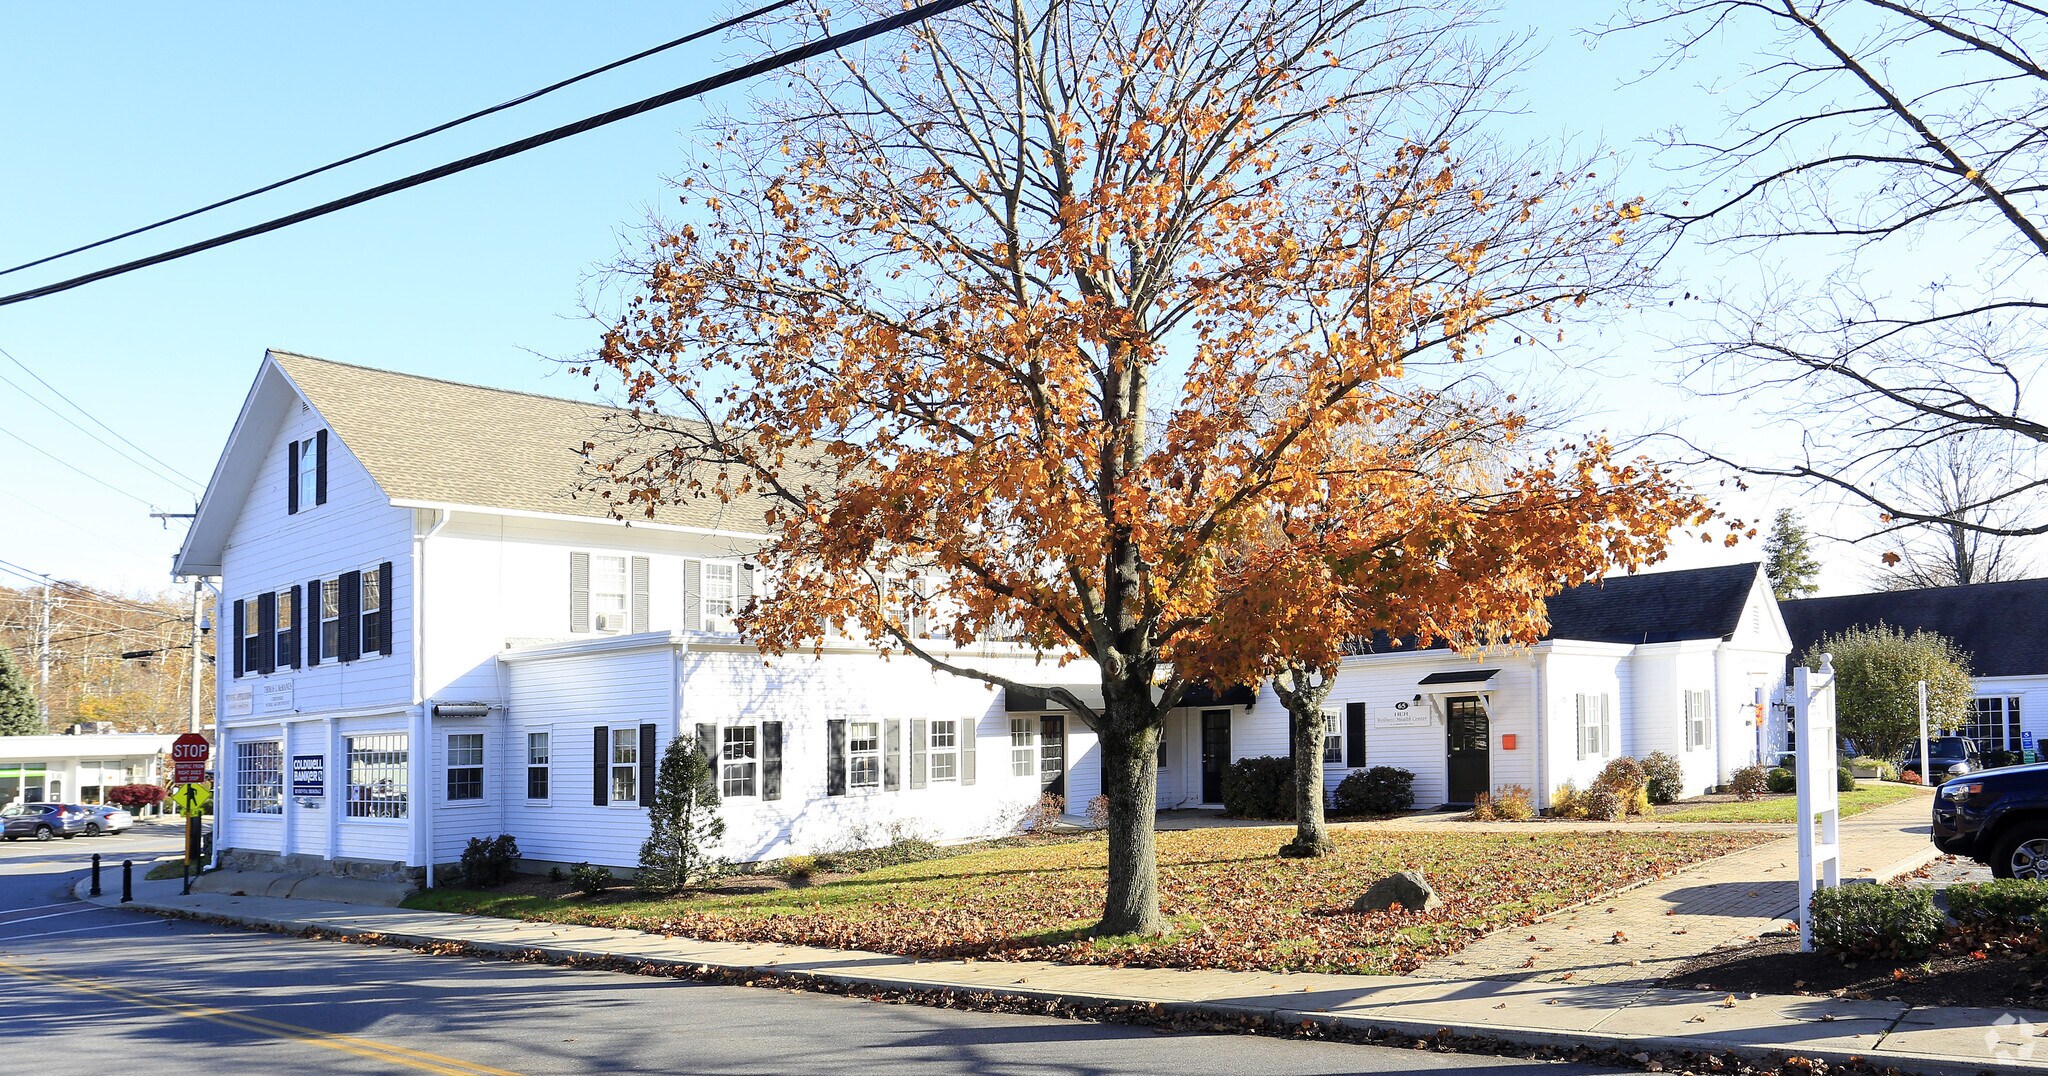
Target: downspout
[
  {"x": 423, "y": 842},
  {"x": 1543, "y": 729}
]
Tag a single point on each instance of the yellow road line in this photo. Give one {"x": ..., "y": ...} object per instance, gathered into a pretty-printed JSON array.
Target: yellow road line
[{"x": 348, "y": 1044}]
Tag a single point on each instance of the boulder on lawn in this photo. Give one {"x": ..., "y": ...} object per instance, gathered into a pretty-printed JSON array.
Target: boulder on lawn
[{"x": 1406, "y": 889}]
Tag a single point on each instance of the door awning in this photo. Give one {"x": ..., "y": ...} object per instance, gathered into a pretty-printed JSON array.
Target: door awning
[
  {"x": 1460, "y": 678},
  {"x": 1033, "y": 699}
]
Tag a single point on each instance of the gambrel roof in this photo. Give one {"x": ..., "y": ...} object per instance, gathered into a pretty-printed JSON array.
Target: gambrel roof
[{"x": 2002, "y": 626}]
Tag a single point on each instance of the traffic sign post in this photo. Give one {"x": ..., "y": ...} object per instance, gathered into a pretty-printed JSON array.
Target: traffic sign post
[{"x": 189, "y": 753}]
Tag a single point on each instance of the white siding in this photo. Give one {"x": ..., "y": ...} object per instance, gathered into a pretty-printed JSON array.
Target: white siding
[{"x": 1584, "y": 669}]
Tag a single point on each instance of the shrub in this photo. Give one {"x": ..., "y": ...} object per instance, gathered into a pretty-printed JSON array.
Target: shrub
[
  {"x": 1780, "y": 779},
  {"x": 1380, "y": 790},
  {"x": 800, "y": 866},
  {"x": 684, "y": 829},
  {"x": 1568, "y": 801},
  {"x": 1994, "y": 760},
  {"x": 1845, "y": 781},
  {"x": 1856, "y": 921},
  {"x": 2002, "y": 903},
  {"x": 488, "y": 863},
  {"x": 1603, "y": 805},
  {"x": 1748, "y": 783},
  {"x": 1911, "y": 777},
  {"x": 555, "y": 874},
  {"x": 864, "y": 849},
  {"x": 1513, "y": 804},
  {"x": 1663, "y": 777},
  {"x": 1044, "y": 815},
  {"x": 1637, "y": 803},
  {"x": 1098, "y": 812},
  {"x": 1620, "y": 776},
  {"x": 1261, "y": 787},
  {"x": 1482, "y": 808},
  {"x": 136, "y": 797},
  {"x": 589, "y": 879}
]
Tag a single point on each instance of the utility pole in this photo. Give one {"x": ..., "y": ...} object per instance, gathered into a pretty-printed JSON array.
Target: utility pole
[
  {"x": 196, "y": 656},
  {"x": 43, "y": 660}
]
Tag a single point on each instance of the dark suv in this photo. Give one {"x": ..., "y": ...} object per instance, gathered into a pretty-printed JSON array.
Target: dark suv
[
  {"x": 1998, "y": 818},
  {"x": 43, "y": 820},
  {"x": 1953, "y": 756}
]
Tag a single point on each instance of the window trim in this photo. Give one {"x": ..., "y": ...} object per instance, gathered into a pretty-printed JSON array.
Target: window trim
[
  {"x": 625, "y": 593},
  {"x": 1333, "y": 733},
  {"x": 704, "y": 613},
  {"x": 631, "y": 734},
  {"x": 243, "y": 781},
  {"x": 252, "y": 634},
  {"x": 328, "y": 652},
  {"x": 284, "y": 642},
  {"x": 749, "y": 763},
  {"x": 448, "y": 768},
  {"x": 546, "y": 766},
  {"x": 1029, "y": 760},
  {"x": 364, "y": 612},
  {"x": 1699, "y": 719},
  {"x": 878, "y": 753},
  {"x": 933, "y": 752},
  {"x": 404, "y": 771},
  {"x": 308, "y": 478}
]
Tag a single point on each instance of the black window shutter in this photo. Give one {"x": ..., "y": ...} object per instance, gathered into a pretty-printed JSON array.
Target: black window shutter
[
  {"x": 386, "y": 599},
  {"x": 241, "y": 632},
  {"x": 600, "y": 766},
  {"x": 892, "y": 755},
  {"x": 316, "y": 599},
  {"x": 266, "y": 633},
  {"x": 1354, "y": 734},
  {"x": 579, "y": 592},
  {"x": 638, "y": 589},
  {"x": 646, "y": 764},
  {"x": 296, "y": 630},
  {"x": 920, "y": 732},
  {"x": 291, "y": 479},
  {"x": 351, "y": 615},
  {"x": 707, "y": 744},
  {"x": 967, "y": 738},
  {"x": 771, "y": 760},
  {"x": 320, "y": 467},
  {"x": 835, "y": 757}
]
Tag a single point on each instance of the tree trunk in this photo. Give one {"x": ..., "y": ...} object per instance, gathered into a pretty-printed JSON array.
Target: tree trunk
[
  {"x": 1129, "y": 740},
  {"x": 1303, "y": 692}
]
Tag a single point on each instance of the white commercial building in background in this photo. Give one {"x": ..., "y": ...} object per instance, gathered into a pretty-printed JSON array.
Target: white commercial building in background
[
  {"x": 429, "y": 636},
  {"x": 78, "y": 769}
]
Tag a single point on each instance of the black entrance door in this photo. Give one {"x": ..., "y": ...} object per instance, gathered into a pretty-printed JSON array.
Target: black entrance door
[
  {"x": 1052, "y": 755},
  {"x": 1215, "y": 753},
  {"x": 1469, "y": 766}
]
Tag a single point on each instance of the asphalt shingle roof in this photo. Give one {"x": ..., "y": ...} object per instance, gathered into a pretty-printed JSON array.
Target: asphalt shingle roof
[
  {"x": 445, "y": 442},
  {"x": 2002, "y": 626},
  {"x": 1663, "y": 607}
]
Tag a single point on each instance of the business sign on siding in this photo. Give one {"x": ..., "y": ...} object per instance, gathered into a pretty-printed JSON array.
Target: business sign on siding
[
  {"x": 309, "y": 776},
  {"x": 241, "y": 700},
  {"x": 1402, "y": 715},
  {"x": 275, "y": 697}
]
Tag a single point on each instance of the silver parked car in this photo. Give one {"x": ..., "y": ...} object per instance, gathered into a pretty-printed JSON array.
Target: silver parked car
[{"x": 107, "y": 818}]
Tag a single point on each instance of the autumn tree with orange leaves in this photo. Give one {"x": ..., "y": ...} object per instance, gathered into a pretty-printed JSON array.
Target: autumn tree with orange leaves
[{"x": 1106, "y": 328}]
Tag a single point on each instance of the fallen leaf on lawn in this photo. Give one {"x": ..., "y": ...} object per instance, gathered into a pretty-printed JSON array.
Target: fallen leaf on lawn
[
  {"x": 1695, "y": 1019},
  {"x": 1728, "y": 1002},
  {"x": 1619, "y": 937}
]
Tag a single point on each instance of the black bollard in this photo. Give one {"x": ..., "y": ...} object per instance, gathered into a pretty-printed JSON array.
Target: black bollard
[
  {"x": 127, "y": 881},
  {"x": 95, "y": 875}
]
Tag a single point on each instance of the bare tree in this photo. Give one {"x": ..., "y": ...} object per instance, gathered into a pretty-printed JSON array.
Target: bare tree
[
  {"x": 1892, "y": 152},
  {"x": 1963, "y": 478}
]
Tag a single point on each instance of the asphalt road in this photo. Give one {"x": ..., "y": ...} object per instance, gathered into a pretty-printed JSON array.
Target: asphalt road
[{"x": 93, "y": 991}]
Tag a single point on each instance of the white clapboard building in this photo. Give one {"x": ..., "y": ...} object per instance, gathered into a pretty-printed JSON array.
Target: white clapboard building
[{"x": 429, "y": 636}]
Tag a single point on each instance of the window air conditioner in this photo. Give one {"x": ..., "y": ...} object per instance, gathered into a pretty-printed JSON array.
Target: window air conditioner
[{"x": 610, "y": 622}]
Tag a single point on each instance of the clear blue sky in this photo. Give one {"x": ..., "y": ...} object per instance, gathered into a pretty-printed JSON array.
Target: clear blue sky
[{"x": 111, "y": 119}]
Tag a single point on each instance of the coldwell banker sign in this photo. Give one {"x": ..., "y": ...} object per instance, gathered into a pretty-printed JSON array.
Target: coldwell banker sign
[{"x": 309, "y": 776}]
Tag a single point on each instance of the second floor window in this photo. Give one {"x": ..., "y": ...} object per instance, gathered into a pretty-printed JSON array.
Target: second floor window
[
  {"x": 330, "y": 618},
  {"x": 608, "y": 593},
  {"x": 374, "y": 621},
  {"x": 721, "y": 595},
  {"x": 287, "y": 630}
]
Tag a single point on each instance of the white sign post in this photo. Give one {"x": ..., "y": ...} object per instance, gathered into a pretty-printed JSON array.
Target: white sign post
[
  {"x": 1925, "y": 763},
  {"x": 1820, "y": 860}
]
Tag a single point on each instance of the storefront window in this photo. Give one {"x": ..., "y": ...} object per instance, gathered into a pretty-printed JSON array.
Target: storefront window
[{"x": 22, "y": 782}]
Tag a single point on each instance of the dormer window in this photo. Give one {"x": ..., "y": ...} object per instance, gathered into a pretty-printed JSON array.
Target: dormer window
[{"x": 306, "y": 473}]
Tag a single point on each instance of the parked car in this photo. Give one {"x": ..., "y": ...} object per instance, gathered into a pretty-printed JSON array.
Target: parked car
[
  {"x": 107, "y": 818},
  {"x": 43, "y": 820},
  {"x": 1952, "y": 756},
  {"x": 1998, "y": 818}
]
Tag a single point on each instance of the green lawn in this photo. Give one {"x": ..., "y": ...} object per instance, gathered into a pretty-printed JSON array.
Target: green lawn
[
  {"x": 1232, "y": 903},
  {"x": 1786, "y": 808}
]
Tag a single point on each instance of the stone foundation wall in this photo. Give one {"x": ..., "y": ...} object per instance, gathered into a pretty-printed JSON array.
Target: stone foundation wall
[{"x": 374, "y": 870}]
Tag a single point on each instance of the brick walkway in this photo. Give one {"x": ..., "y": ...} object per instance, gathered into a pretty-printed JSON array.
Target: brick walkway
[{"x": 1641, "y": 935}]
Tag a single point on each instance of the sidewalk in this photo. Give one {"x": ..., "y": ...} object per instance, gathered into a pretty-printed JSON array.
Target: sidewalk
[
  {"x": 1630, "y": 1018},
  {"x": 1643, "y": 934}
]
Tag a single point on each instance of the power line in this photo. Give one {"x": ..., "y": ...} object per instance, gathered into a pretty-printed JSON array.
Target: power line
[
  {"x": 190, "y": 481},
  {"x": 62, "y": 462},
  {"x": 510, "y": 149},
  {"x": 45, "y": 405},
  {"x": 41, "y": 578},
  {"x": 414, "y": 137}
]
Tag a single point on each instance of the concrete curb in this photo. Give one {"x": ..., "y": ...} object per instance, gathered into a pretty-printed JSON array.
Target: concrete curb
[{"x": 1280, "y": 1013}]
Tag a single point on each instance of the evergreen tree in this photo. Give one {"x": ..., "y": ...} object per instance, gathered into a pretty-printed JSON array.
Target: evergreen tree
[
  {"x": 1789, "y": 562},
  {"x": 682, "y": 841},
  {"x": 18, "y": 715}
]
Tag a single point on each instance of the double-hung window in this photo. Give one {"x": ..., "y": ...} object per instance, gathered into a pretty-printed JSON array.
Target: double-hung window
[
  {"x": 1333, "y": 739},
  {"x": 738, "y": 760},
  {"x": 330, "y": 618},
  {"x": 1023, "y": 746},
  {"x": 308, "y": 477},
  {"x": 259, "y": 777},
  {"x": 1699, "y": 720},
  {"x": 863, "y": 755},
  {"x": 721, "y": 595},
  {"x": 252, "y": 637},
  {"x": 608, "y": 593},
  {"x": 945, "y": 750},
  {"x": 1595, "y": 727},
  {"x": 287, "y": 639},
  {"x": 377, "y": 780},
  {"x": 537, "y": 765},
  {"x": 374, "y": 622},
  {"x": 465, "y": 766},
  {"x": 625, "y": 764}
]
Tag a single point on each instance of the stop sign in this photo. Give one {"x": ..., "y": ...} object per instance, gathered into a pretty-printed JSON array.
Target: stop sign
[{"x": 188, "y": 758}]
